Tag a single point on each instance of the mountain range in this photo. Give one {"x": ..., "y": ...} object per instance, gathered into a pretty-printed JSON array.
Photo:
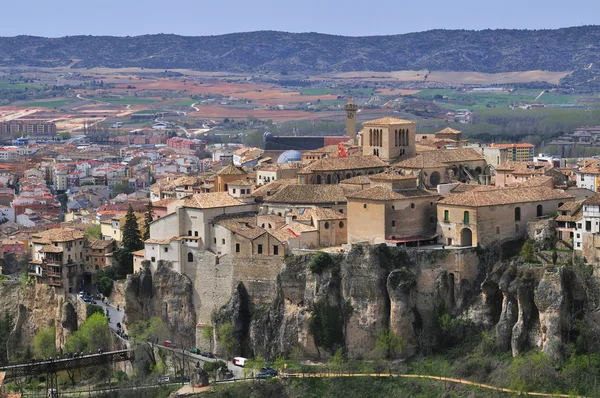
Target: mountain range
[{"x": 311, "y": 53}]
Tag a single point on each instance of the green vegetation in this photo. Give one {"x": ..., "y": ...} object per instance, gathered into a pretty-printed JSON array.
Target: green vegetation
[
  {"x": 6, "y": 325},
  {"x": 125, "y": 100},
  {"x": 527, "y": 252},
  {"x": 390, "y": 345},
  {"x": 44, "y": 343},
  {"x": 104, "y": 283},
  {"x": 92, "y": 309},
  {"x": 327, "y": 326},
  {"x": 148, "y": 218},
  {"x": 93, "y": 232},
  {"x": 91, "y": 336},
  {"x": 132, "y": 241},
  {"x": 227, "y": 338},
  {"x": 48, "y": 104}
]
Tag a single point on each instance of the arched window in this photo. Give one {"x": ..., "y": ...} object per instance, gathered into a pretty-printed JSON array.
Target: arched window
[
  {"x": 318, "y": 179},
  {"x": 328, "y": 178},
  {"x": 341, "y": 224},
  {"x": 348, "y": 175},
  {"x": 540, "y": 210},
  {"x": 517, "y": 214},
  {"x": 326, "y": 225},
  {"x": 434, "y": 178},
  {"x": 190, "y": 258},
  {"x": 370, "y": 137},
  {"x": 226, "y": 188},
  {"x": 466, "y": 217}
]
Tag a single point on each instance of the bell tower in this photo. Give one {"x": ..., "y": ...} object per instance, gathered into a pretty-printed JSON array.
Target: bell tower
[{"x": 351, "y": 109}]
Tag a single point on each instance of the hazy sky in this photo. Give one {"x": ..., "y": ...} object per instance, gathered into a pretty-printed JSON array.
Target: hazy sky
[{"x": 349, "y": 17}]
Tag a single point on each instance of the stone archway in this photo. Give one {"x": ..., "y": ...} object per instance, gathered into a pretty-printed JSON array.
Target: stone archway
[{"x": 466, "y": 237}]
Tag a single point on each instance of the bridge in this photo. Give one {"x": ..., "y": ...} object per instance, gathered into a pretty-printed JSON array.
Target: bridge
[{"x": 52, "y": 366}]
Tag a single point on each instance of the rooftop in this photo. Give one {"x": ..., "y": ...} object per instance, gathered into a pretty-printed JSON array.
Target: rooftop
[
  {"x": 504, "y": 196},
  {"x": 384, "y": 193},
  {"x": 439, "y": 158},
  {"x": 243, "y": 224},
  {"x": 349, "y": 163},
  {"x": 211, "y": 200},
  {"x": 386, "y": 121},
  {"x": 305, "y": 194},
  {"x": 57, "y": 235}
]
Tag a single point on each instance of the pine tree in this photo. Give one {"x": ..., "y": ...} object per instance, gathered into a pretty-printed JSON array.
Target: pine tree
[
  {"x": 147, "y": 220},
  {"x": 132, "y": 240}
]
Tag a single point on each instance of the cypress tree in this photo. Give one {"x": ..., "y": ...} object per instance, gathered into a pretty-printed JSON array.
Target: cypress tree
[
  {"x": 132, "y": 239},
  {"x": 147, "y": 220}
]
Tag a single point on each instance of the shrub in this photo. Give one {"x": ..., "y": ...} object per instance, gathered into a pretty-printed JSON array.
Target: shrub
[{"x": 320, "y": 262}]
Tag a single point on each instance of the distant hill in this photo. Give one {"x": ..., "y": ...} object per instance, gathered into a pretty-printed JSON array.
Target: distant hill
[{"x": 280, "y": 52}]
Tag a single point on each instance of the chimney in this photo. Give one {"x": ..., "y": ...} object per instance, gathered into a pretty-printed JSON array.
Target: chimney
[{"x": 288, "y": 219}]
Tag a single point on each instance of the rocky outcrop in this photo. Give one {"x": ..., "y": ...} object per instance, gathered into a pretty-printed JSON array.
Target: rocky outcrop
[
  {"x": 527, "y": 314},
  {"x": 400, "y": 285},
  {"x": 552, "y": 299},
  {"x": 509, "y": 312},
  {"x": 236, "y": 312},
  {"x": 166, "y": 294}
]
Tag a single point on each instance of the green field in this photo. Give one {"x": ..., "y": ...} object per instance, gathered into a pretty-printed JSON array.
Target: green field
[
  {"x": 187, "y": 102},
  {"x": 6, "y": 85},
  {"x": 334, "y": 91},
  {"x": 126, "y": 100},
  {"x": 450, "y": 99},
  {"x": 48, "y": 104}
]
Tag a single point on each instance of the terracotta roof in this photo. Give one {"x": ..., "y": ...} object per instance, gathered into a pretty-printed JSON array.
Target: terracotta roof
[
  {"x": 391, "y": 177},
  {"x": 243, "y": 183},
  {"x": 521, "y": 145},
  {"x": 590, "y": 168},
  {"x": 51, "y": 249},
  {"x": 535, "y": 181},
  {"x": 528, "y": 168},
  {"x": 384, "y": 193},
  {"x": 139, "y": 253},
  {"x": 164, "y": 203},
  {"x": 593, "y": 200},
  {"x": 386, "y": 121},
  {"x": 502, "y": 196},
  {"x": 448, "y": 130},
  {"x": 267, "y": 190},
  {"x": 439, "y": 158},
  {"x": 211, "y": 200},
  {"x": 99, "y": 244},
  {"x": 231, "y": 169},
  {"x": 243, "y": 224},
  {"x": 161, "y": 241},
  {"x": 284, "y": 234},
  {"x": 573, "y": 209},
  {"x": 57, "y": 235},
  {"x": 304, "y": 194},
  {"x": 321, "y": 213},
  {"x": 298, "y": 227},
  {"x": 349, "y": 163},
  {"x": 358, "y": 180}
]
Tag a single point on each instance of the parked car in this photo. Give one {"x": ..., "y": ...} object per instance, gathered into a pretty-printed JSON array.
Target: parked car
[
  {"x": 169, "y": 343},
  {"x": 269, "y": 370},
  {"x": 163, "y": 379},
  {"x": 208, "y": 355},
  {"x": 194, "y": 350},
  {"x": 239, "y": 361}
]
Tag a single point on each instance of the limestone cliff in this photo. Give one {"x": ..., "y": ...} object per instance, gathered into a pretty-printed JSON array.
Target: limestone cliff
[{"x": 166, "y": 294}]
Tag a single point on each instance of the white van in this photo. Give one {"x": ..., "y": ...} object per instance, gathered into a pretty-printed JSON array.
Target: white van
[{"x": 239, "y": 361}]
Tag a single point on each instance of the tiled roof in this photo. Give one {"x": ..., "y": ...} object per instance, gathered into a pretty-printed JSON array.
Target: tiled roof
[
  {"x": 51, "y": 249},
  {"x": 139, "y": 253},
  {"x": 528, "y": 168},
  {"x": 231, "y": 169},
  {"x": 242, "y": 183},
  {"x": 298, "y": 227},
  {"x": 386, "y": 121},
  {"x": 590, "y": 168},
  {"x": 305, "y": 194},
  {"x": 349, "y": 163},
  {"x": 449, "y": 130},
  {"x": 211, "y": 200},
  {"x": 267, "y": 190},
  {"x": 358, "y": 180},
  {"x": 502, "y": 196},
  {"x": 243, "y": 224},
  {"x": 536, "y": 181},
  {"x": 574, "y": 210},
  {"x": 100, "y": 244},
  {"x": 164, "y": 203},
  {"x": 593, "y": 200},
  {"x": 57, "y": 235},
  {"x": 391, "y": 177},
  {"x": 384, "y": 193},
  {"x": 439, "y": 158},
  {"x": 284, "y": 234}
]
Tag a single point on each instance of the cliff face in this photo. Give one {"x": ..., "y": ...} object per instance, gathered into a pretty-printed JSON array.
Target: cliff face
[{"x": 166, "y": 294}]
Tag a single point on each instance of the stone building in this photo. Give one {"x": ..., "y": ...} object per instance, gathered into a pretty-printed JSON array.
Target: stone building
[
  {"x": 96, "y": 254},
  {"x": 392, "y": 210},
  {"x": 335, "y": 170},
  {"x": 229, "y": 174},
  {"x": 239, "y": 235},
  {"x": 517, "y": 172},
  {"x": 569, "y": 214},
  {"x": 485, "y": 215},
  {"x": 444, "y": 166},
  {"x": 389, "y": 138}
]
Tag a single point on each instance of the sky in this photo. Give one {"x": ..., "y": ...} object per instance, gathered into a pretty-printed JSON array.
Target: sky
[{"x": 349, "y": 17}]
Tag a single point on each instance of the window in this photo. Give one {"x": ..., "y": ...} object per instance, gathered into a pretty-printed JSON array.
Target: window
[
  {"x": 539, "y": 211},
  {"x": 259, "y": 249},
  {"x": 497, "y": 230},
  {"x": 189, "y": 233},
  {"x": 153, "y": 259},
  {"x": 341, "y": 211},
  {"x": 233, "y": 190},
  {"x": 393, "y": 223},
  {"x": 326, "y": 225},
  {"x": 588, "y": 226},
  {"x": 166, "y": 249},
  {"x": 466, "y": 217},
  {"x": 412, "y": 205},
  {"x": 364, "y": 206},
  {"x": 578, "y": 236},
  {"x": 517, "y": 214},
  {"x": 578, "y": 244},
  {"x": 195, "y": 233},
  {"x": 393, "y": 207},
  {"x": 431, "y": 219},
  {"x": 446, "y": 215},
  {"x": 237, "y": 247},
  {"x": 275, "y": 250},
  {"x": 190, "y": 258},
  {"x": 341, "y": 224},
  {"x": 223, "y": 241},
  {"x": 215, "y": 240}
]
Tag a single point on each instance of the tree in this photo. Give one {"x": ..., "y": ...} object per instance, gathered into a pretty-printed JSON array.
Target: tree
[
  {"x": 93, "y": 334},
  {"x": 151, "y": 331},
  {"x": 132, "y": 240},
  {"x": 6, "y": 325},
  {"x": 253, "y": 365},
  {"x": 389, "y": 345},
  {"x": 122, "y": 188},
  {"x": 148, "y": 218},
  {"x": 44, "y": 343},
  {"x": 93, "y": 232},
  {"x": 554, "y": 258},
  {"x": 227, "y": 338},
  {"x": 527, "y": 252},
  {"x": 104, "y": 283},
  {"x": 207, "y": 334},
  {"x": 336, "y": 362}
]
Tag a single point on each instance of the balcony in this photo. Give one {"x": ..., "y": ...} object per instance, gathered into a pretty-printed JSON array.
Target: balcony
[
  {"x": 54, "y": 274},
  {"x": 55, "y": 282}
]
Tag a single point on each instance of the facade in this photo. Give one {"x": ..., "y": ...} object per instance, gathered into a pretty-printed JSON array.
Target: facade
[
  {"x": 13, "y": 246},
  {"x": 389, "y": 138},
  {"x": 229, "y": 174},
  {"x": 112, "y": 229},
  {"x": 392, "y": 210},
  {"x": 518, "y": 152},
  {"x": 587, "y": 231},
  {"x": 569, "y": 215},
  {"x": 351, "y": 108},
  {"x": 494, "y": 156},
  {"x": 57, "y": 257},
  {"x": 28, "y": 126},
  {"x": 519, "y": 172},
  {"x": 274, "y": 172},
  {"x": 483, "y": 216},
  {"x": 588, "y": 176},
  {"x": 335, "y": 170}
]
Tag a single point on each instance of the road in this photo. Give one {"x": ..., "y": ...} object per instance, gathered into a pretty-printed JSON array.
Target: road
[{"x": 238, "y": 372}]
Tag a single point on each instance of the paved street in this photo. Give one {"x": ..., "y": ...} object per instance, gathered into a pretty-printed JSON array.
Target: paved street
[{"x": 238, "y": 372}]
